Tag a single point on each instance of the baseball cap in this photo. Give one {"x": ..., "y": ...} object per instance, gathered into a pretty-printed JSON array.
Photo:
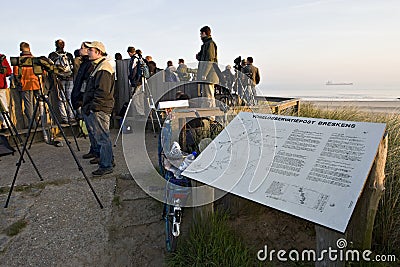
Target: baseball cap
[{"x": 96, "y": 44}]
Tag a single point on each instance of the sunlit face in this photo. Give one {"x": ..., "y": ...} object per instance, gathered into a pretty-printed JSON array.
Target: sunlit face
[
  {"x": 60, "y": 45},
  {"x": 93, "y": 53},
  {"x": 203, "y": 34}
]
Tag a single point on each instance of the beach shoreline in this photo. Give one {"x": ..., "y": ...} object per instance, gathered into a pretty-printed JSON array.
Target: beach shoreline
[{"x": 389, "y": 107}]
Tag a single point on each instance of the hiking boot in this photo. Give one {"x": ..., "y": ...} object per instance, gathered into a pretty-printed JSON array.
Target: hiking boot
[
  {"x": 58, "y": 143},
  {"x": 88, "y": 156},
  {"x": 101, "y": 172},
  {"x": 95, "y": 161}
]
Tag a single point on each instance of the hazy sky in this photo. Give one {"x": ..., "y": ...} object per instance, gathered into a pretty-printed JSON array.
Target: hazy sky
[{"x": 294, "y": 43}]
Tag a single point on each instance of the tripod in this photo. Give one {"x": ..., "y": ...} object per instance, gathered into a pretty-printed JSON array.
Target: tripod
[
  {"x": 62, "y": 91},
  {"x": 242, "y": 90},
  {"x": 15, "y": 135},
  {"x": 150, "y": 102},
  {"x": 67, "y": 106},
  {"x": 45, "y": 99}
]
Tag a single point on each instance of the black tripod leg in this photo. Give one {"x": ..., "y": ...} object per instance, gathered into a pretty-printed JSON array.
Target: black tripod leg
[
  {"x": 22, "y": 155},
  {"x": 18, "y": 136},
  {"x": 69, "y": 122},
  {"x": 78, "y": 122},
  {"x": 11, "y": 130},
  {"x": 72, "y": 151},
  {"x": 34, "y": 133}
]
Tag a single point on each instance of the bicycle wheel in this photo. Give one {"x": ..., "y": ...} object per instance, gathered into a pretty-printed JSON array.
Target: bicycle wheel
[{"x": 170, "y": 239}]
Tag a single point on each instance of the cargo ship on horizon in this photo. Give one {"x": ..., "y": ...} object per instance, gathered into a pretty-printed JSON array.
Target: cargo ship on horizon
[{"x": 332, "y": 83}]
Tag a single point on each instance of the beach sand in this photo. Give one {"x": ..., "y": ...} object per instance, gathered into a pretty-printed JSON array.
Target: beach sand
[{"x": 389, "y": 107}]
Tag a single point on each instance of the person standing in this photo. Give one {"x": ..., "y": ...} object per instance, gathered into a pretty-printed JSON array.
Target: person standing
[
  {"x": 170, "y": 72},
  {"x": 5, "y": 71},
  {"x": 207, "y": 57},
  {"x": 63, "y": 81},
  {"x": 27, "y": 81},
  {"x": 182, "y": 70},
  {"x": 135, "y": 80},
  {"x": 30, "y": 85},
  {"x": 253, "y": 73},
  {"x": 80, "y": 81},
  {"x": 228, "y": 77},
  {"x": 98, "y": 103}
]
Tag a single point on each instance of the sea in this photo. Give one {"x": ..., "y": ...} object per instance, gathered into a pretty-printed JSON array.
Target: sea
[{"x": 333, "y": 92}]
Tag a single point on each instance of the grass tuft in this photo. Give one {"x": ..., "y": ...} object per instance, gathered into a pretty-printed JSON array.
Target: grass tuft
[
  {"x": 212, "y": 243},
  {"x": 16, "y": 227}
]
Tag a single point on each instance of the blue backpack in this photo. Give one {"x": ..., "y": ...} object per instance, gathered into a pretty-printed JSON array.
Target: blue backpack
[{"x": 141, "y": 69}]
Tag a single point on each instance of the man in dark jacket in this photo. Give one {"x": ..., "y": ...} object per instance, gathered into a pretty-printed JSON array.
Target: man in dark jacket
[
  {"x": 82, "y": 75},
  {"x": 135, "y": 79},
  {"x": 98, "y": 103},
  {"x": 207, "y": 57},
  {"x": 83, "y": 71},
  {"x": 253, "y": 73}
]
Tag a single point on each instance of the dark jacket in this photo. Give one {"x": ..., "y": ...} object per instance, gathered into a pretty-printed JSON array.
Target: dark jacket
[
  {"x": 207, "y": 56},
  {"x": 182, "y": 72},
  {"x": 99, "y": 94},
  {"x": 252, "y": 72},
  {"x": 5, "y": 71},
  {"x": 84, "y": 70}
]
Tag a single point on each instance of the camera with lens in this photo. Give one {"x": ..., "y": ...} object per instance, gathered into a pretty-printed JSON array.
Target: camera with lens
[
  {"x": 37, "y": 63},
  {"x": 237, "y": 65}
]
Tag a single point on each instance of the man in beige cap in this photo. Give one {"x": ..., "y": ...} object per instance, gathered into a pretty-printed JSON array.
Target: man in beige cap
[{"x": 98, "y": 103}]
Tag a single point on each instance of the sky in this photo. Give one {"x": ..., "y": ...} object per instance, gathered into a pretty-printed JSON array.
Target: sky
[{"x": 295, "y": 44}]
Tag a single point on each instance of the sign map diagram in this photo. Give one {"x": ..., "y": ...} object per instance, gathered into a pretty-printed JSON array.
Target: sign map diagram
[{"x": 312, "y": 168}]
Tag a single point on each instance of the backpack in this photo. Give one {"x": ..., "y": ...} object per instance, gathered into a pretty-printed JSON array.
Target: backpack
[
  {"x": 66, "y": 65},
  {"x": 135, "y": 74}
]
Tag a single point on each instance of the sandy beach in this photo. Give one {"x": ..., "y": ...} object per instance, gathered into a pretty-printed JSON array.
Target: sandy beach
[{"x": 389, "y": 107}]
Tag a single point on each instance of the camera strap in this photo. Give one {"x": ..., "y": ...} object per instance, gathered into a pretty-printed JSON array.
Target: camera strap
[{"x": 96, "y": 68}]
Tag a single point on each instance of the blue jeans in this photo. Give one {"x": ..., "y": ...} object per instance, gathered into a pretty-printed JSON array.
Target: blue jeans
[
  {"x": 94, "y": 149},
  {"x": 98, "y": 123},
  {"x": 64, "y": 103}
]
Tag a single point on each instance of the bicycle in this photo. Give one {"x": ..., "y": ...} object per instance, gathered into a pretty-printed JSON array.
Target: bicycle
[
  {"x": 178, "y": 188},
  {"x": 177, "y": 193}
]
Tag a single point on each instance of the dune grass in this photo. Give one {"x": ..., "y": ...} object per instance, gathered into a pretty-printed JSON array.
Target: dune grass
[
  {"x": 386, "y": 234},
  {"x": 211, "y": 243}
]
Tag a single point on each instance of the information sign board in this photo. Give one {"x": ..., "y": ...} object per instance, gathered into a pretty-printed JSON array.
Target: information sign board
[{"x": 308, "y": 167}]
